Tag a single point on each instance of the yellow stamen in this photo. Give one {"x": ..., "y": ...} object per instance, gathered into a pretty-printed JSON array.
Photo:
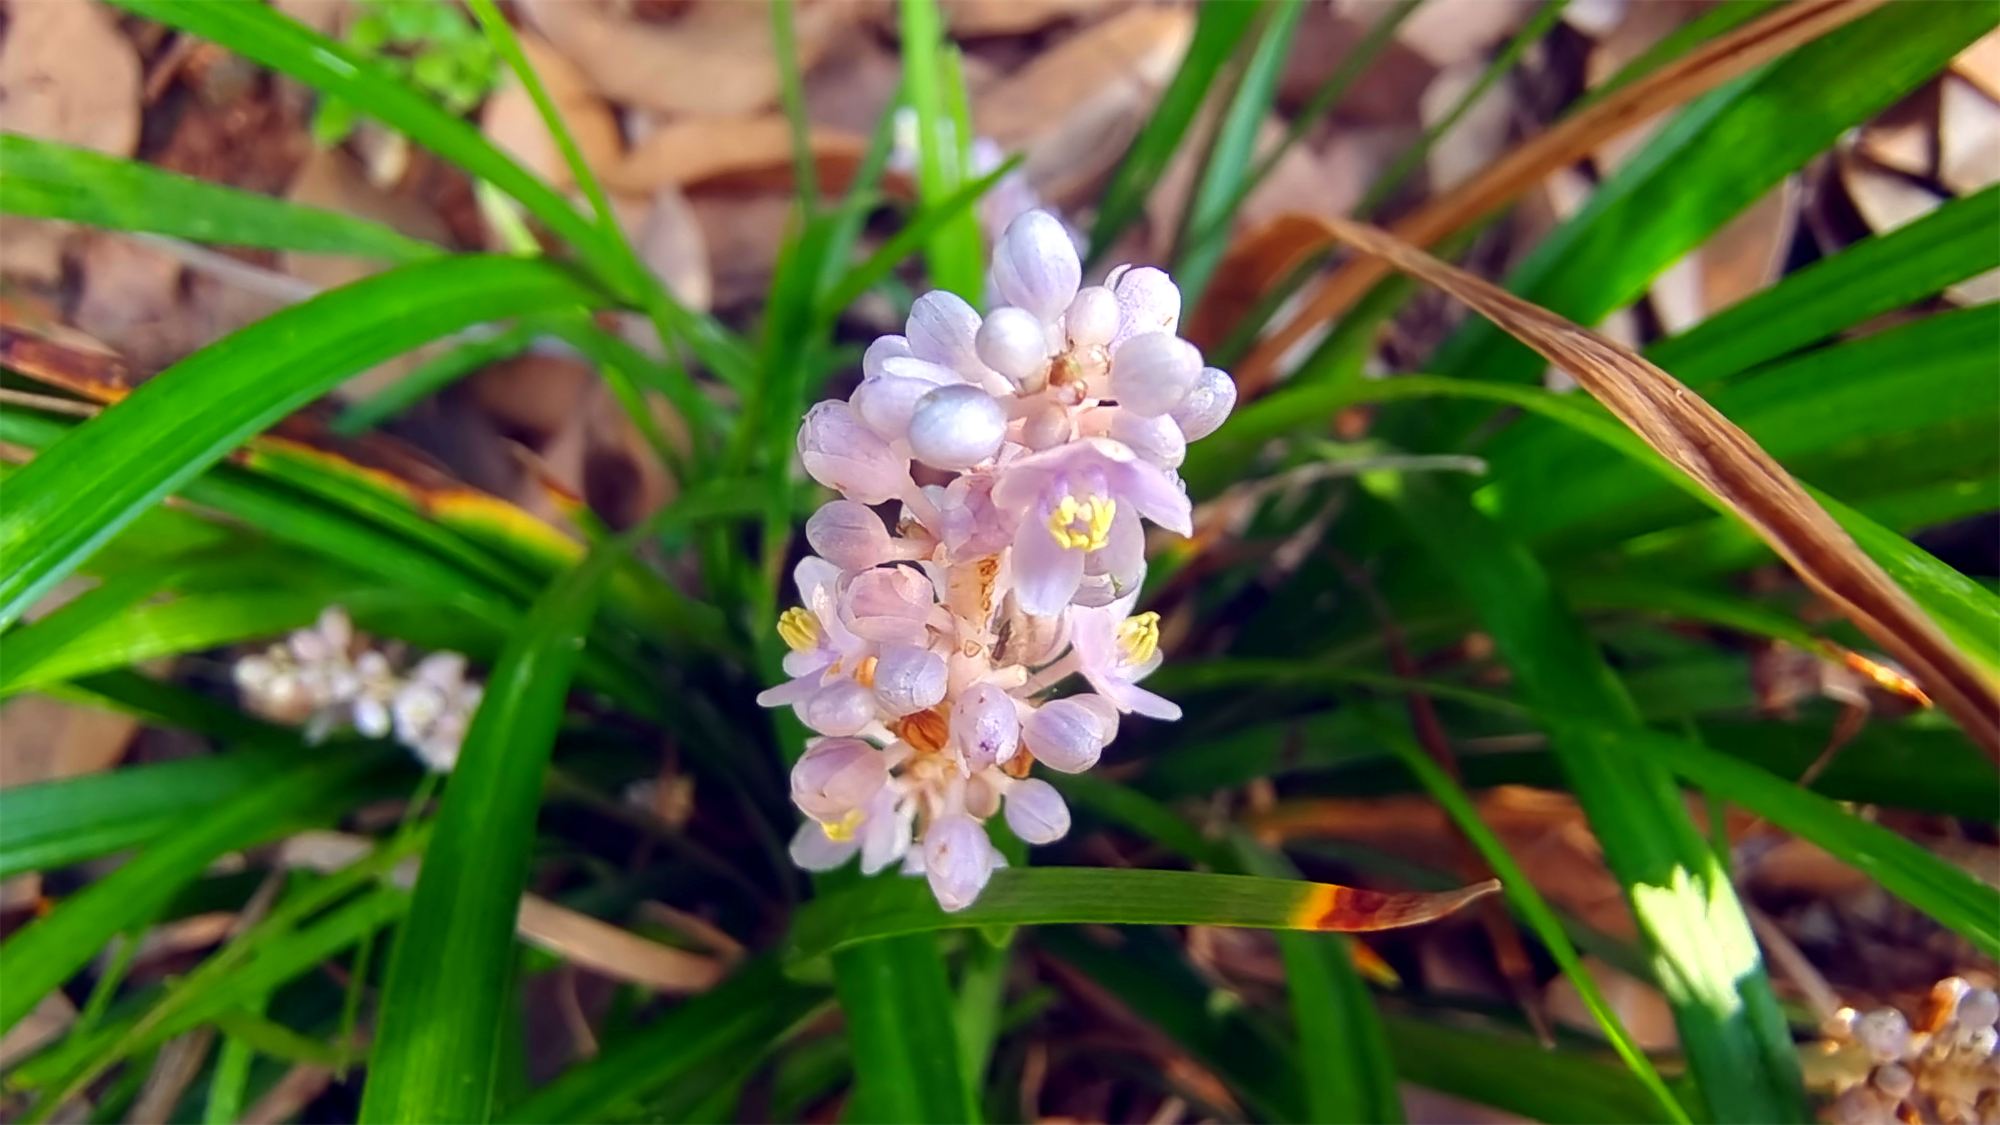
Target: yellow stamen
[
  {"x": 842, "y": 830},
  {"x": 799, "y": 628},
  {"x": 1093, "y": 513},
  {"x": 1139, "y": 637}
]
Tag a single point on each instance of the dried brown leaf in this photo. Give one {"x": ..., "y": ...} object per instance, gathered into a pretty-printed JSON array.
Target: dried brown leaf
[
  {"x": 737, "y": 153},
  {"x": 67, "y": 74},
  {"x": 620, "y": 954},
  {"x": 1693, "y": 436},
  {"x": 1571, "y": 140},
  {"x": 512, "y": 122}
]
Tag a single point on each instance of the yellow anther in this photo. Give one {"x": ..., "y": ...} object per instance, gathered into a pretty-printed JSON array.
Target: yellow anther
[
  {"x": 1139, "y": 637},
  {"x": 1084, "y": 526},
  {"x": 842, "y": 830},
  {"x": 799, "y": 628}
]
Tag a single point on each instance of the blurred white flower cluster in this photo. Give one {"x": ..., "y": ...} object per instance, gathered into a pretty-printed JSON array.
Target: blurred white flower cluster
[
  {"x": 924, "y": 644},
  {"x": 1947, "y": 1069},
  {"x": 316, "y": 677}
]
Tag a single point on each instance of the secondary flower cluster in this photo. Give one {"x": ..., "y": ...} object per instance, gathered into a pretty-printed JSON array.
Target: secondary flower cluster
[
  {"x": 1946, "y": 1069},
  {"x": 316, "y": 678},
  {"x": 1055, "y": 424}
]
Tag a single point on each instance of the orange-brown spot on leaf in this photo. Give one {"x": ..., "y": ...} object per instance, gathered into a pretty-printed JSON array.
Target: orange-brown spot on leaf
[{"x": 1329, "y": 906}]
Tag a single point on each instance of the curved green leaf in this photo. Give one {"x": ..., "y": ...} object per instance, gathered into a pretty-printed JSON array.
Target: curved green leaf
[
  {"x": 80, "y": 491},
  {"x": 1021, "y": 896},
  {"x": 48, "y": 950},
  {"x": 1712, "y": 160},
  {"x": 898, "y": 1003},
  {"x": 46, "y": 180},
  {"x": 57, "y": 823},
  {"x": 447, "y": 1001}
]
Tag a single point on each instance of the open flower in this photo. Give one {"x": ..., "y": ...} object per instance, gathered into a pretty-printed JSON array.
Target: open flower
[
  {"x": 1068, "y": 498},
  {"x": 820, "y": 641},
  {"x": 1115, "y": 650}
]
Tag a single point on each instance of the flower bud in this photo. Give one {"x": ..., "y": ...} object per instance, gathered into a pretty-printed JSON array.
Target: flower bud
[
  {"x": 958, "y": 859},
  {"x": 1068, "y": 735},
  {"x": 1036, "y": 812},
  {"x": 957, "y": 427},
  {"x": 1092, "y": 319},
  {"x": 883, "y": 349},
  {"x": 849, "y": 535},
  {"x": 1152, "y": 373},
  {"x": 1035, "y": 265},
  {"x": 1157, "y": 439},
  {"x": 985, "y": 726},
  {"x": 908, "y": 679},
  {"x": 836, "y": 776},
  {"x": 889, "y": 604},
  {"x": 941, "y": 329},
  {"x": 1015, "y": 343},
  {"x": 884, "y": 403},
  {"x": 1978, "y": 1008},
  {"x": 1148, "y": 301},
  {"x": 842, "y": 454},
  {"x": 842, "y": 707},
  {"x": 1207, "y": 404}
]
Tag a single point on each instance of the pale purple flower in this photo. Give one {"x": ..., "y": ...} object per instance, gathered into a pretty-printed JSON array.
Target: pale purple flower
[
  {"x": 941, "y": 329},
  {"x": 885, "y": 401},
  {"x": 973, "y": 526},
  {"x": 881, "y": 833},
  {"x": 845, "y": 455},
  {"x": 1157, "y": 439},
  {"x": 836, "y": 777},
  {"x": 850, "y": 535},
  {"x": 1067, "y": 499},
  {"x": 959, "y": 858},
  {"x": 819, "y": 638},
  {"x": 1115, "y": 650},
  {"x": 889, "y": 605}
]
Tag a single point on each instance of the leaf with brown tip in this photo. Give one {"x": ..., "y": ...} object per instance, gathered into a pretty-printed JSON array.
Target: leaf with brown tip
[{"x": 1696, "y": 439}]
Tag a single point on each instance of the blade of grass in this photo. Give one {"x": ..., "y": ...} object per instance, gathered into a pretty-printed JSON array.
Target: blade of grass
[
  {"x": 1530, "y": 907},
  {"x": 46, "y": 180},
  {"x": 754, "y": 1006},
  {"x": 954, "y": 251},
  {"x": 1724, "y": 460},
  {"x": 78, "y": 493},
  {"x": 906, "y": 241},
  {"x": 430, "y": 378},
  {"x": 1714, "y": 159},
  {"x": 1731, "y": 1029},
  {"x": 898, "y": 1004},
  {"x": 54, "y": 824},
  {"x": 1516, "y": 1074},
  {"x": 791, "y": 91},
  {"x": 1218, "y": 29},
  {"x": 1704, "y": 69},
  {"x": 450, "y": 983},
  {"x": 48, "y": 950},
  {"x": 1204, "y": 232},
  {"x": 1392, "y": 178},
  {"x": 877, "y": 908}
]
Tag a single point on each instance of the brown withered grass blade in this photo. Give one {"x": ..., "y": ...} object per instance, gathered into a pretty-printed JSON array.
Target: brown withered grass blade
[
  {"x": 1720, "y": 457},
  {"x": 1567, "y": 142}
]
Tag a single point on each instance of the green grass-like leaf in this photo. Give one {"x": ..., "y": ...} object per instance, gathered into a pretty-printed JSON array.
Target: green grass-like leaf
[
  {"x": 46, "y": 180},
  {"x": 80, "y": 491},
  {"x": 446, "y": 1004}
]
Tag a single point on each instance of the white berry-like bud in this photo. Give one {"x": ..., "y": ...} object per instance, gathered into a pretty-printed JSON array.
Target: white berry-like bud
[
  {"x": 1036, "y": 812},
  {"x": 1148, "y": 301},
  {"x": 984, "y": 724},
  {"x": 1035, "y": 265},
  {"x": 1015, "y": 343},
  {"x": 849, "y": 535},
  {"x": 957, "y": 427},
  {"x": 884, "y": 401},
  {"x": 941, "y": 329},
  {"x": 1068, "y": 735},
  {"x": 840, "y": 708},
  {"x": 1207, "y": 404},
  {"x": 1157, "y": 439},
  {"x": 1092, "y": 318},
  {"x": 884, "y": 348},
  {"x": 835, "y": 776},
  {"x": 909, "y": 678},
  {"x": 1152, "y": 373}
]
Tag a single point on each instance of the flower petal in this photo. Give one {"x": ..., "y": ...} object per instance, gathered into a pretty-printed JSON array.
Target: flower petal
[{"x": 1046, "y": 573}]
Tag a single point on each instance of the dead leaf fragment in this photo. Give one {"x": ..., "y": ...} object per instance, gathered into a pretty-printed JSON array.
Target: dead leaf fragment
[
  {"x": 1968, "y": 137},
  {"x": 511, "y": 121},
  {"x": 1729, "y": 465},
  {"x": 744, "y": 152},
  {"x": 1449, "y": 32},
  {"x": 974, "y": 18},
  {"x": 1979, "y": 64},
  {"x": 670, "y": 241},
  {"x": 1073, "y": 109},
  {"x": 68, "y": 75},
  {"x": 714, "y": 59},
  {"x": 619, "y": 954}
]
